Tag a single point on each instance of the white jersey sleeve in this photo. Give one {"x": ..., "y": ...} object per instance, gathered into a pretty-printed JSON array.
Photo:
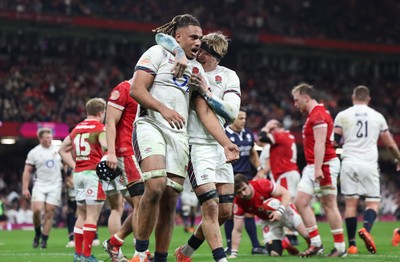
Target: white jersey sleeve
[
  {"x": 224, "y": 84},
  {"x": 361, "y": 127}
]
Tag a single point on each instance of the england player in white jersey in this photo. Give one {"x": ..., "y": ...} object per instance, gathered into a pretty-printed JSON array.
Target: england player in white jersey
[
  {"x": 360, "y": 126},
  {"x": 211, "y": 177},
  {"x": 45, "y": 162},
  {"x": 164, "y": 108}
]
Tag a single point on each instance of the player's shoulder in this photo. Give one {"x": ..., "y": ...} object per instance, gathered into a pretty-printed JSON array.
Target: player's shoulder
[{"x": 36, "y": 149}]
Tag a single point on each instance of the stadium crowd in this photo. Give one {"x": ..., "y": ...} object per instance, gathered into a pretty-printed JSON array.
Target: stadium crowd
[{"x": 339, "y": 20}]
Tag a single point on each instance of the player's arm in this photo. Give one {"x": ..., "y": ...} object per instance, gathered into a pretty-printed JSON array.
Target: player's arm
[
  {"x": 65, "y": 152},
  {"x": 320, "y": 133},
  {"x": 236, "y": 235},
  {"x": 103, "y": 141},
  {"x": 337, "y": 135},
  {"x": 255, "y": 161},
  {"x": 139, "y": 91},
  {"x": 210, "y": 122},
  {"x": 284, "y": 194},
  {"x": 170, "y": 44},
  {"x": 391, "y": 145},
  {"x": 113, "y": 116},
  {"x": 26, "y": 178},
  {"x": 228, "y": 108}
]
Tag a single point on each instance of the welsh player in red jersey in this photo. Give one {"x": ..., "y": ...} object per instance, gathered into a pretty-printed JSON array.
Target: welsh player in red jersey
[
  {"x": 250, "y": 196},
  {"x": 320, "y": 175},
  {"x": 87, "y": 142},
  {"x": 283, "y": 160},
  {"x": 121, "y": 113}
]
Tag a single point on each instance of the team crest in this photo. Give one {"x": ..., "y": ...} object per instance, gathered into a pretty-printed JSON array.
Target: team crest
[
  {"x": 218, "y": 79},
  {"x": 114, "y": 95}
]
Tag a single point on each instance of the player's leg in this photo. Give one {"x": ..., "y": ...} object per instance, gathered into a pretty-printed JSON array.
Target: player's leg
[
  {"x": 155, "y": 175},
  {"x": 93, "y": 209},
  {"x": 370, "y": 184},
  {"x": 116, "y": 204},
  {"x": 37, "y": 205},
  {"x": 349, "y": 185},
  {"x": 53, "y": 200},
  {"x": 350, "y": 218},
  {"x": 329, "y": 203},
  {"x": 303, "y": 198},
  {"x": 78, "y": 228},
  {"x": 71, "y": 216},
  {"x": 166, "y": 218},
  {"x": 94, "y": 200}
]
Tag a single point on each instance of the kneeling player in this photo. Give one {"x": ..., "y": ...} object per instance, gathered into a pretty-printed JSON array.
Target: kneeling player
[{"x": 250, "y": 197}]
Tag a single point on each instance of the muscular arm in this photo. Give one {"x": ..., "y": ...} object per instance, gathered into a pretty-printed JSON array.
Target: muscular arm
[
  {"x": 139, "y": 91},
  {"x": 391, "y": 145},
  {"x": 170, "y": 44},
  {"x": 65, "y": 152},
  {"x": 112, "y": 118},
  {"x": 210, "y": 121},
  {"x": 338, "y": 133},
  {"x": 285, "y": 198},
  {"x": 319, "y": 150},
  {"x": 26, "y": 175},
  {"x": 228, "y": 108}
]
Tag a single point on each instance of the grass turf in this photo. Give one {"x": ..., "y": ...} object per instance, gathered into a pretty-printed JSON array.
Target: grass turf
[{"x": 17, "y": 246}]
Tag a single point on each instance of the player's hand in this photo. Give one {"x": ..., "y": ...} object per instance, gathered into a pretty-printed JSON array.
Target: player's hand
[
  {"x": 231, "y": 152},
  {"x": 181, "y": 63},
  {"x": 26, "y": 193},
  {"x": 198, "y": 81},
  {"x": 260, "y": 175},
  {"x": 174, "y": 119},
  {"x": 319, "y": 175},
  {"x": 398, "y": 167},
  {"x": 275, "y": 216},
  {"x": 112, "y": 161}
]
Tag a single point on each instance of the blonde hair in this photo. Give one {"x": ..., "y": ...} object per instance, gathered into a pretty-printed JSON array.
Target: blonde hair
[
  {"x": 217, "y": 41},
  {"x": 95, "y": 106},
  {"x": 177, "y": 22},
  {"x": 304, "y": 89},
  {"x": 44, "y": 130}
]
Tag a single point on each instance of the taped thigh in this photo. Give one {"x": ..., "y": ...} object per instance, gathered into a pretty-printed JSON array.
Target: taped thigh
[
  {"x": 175, "y": 185},
  {"x": 208, "y": 195}
]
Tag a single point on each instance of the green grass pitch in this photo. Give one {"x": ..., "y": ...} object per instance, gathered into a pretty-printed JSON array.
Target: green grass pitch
[{"x": 16, "y": 246}]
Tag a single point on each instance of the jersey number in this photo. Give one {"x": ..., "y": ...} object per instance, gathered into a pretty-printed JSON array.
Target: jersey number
[
  {"x": 82, "y": 146},
  {"x": 362, "y": 129}
]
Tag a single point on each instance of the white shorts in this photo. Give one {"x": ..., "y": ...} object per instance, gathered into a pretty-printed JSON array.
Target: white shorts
[
  {"x": 328, "y": 184},
  {"x": 274, "y": 230},
  {"x": 88, "y": 187},
  {"x": 46, "y": 194},
  {"x": 360, "y": 179},
  {"x": 289, "y": 180},
  {"x": 152, "y": 138},
  {"x": 207, "y": 164},
  {"x": 118, "y": 185}
]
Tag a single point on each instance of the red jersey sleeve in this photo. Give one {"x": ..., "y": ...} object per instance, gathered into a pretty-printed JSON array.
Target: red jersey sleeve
[{"x": 119, "y": 96}]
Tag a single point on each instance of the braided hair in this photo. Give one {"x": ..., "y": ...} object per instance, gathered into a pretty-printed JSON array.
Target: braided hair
[{"x": 177, "y": 22}]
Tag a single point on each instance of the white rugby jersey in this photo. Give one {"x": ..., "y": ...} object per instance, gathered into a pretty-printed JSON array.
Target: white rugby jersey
[
  {"x": 47, "y": 165},
  {"x": 224, "y": 84},
  {"x": 173, "y": 93},
  {"x": 361, "y": 127}
]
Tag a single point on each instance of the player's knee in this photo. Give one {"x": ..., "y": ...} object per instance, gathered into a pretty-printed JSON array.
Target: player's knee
[
  {"x": 136, "y": 189},
  {"x": 274, "y": 248},
  {"x": 212, "y": 194}
]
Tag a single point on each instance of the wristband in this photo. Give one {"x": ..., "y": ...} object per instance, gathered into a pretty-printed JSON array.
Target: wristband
[{"x": 281, "y": 209}]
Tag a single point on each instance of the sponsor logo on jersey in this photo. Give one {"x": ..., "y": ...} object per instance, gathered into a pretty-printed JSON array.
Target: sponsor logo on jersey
[
  {"x": 89, "y": 191},
  {"x": 115, "y": 95}
]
